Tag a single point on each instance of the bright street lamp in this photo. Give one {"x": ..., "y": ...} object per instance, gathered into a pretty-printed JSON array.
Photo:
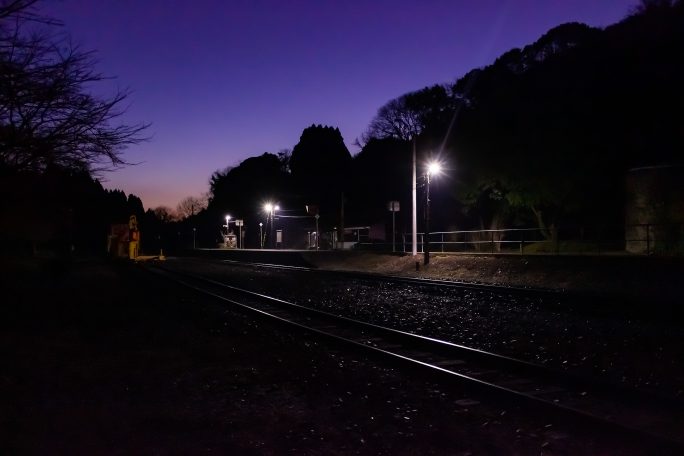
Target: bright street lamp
[
  {"x": 270, "y": 210},
  {"x": 238, "y": 225},
  {"x": 227, "y": 225},
  {"x": 433, "y": 169}
]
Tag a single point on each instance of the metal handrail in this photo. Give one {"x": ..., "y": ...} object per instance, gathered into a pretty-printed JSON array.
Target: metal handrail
[{"x": 643, "y": 238}]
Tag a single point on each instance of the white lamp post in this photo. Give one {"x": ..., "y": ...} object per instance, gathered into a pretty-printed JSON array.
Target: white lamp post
[
  {"x": 227, "y": 225},
  {"x": 317, "y": 217},
  {"x": 414, "y": 217}
]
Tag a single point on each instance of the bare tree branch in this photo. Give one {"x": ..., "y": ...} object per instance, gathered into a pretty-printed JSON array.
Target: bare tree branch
[
  {"x": 191, "y": 205},
  {"x": 47, "y": 116},
  {"x": 407, "y": 116}
]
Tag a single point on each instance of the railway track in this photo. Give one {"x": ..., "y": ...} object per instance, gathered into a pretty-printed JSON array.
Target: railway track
[
  {"x": 626, "y": 413},
  {"x": 400, "y": 279}
]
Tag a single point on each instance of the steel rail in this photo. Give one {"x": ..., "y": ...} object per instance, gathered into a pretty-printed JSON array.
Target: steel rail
[
  {"x": 606, "y": 303},
  {"x": 402, "y": 279}
]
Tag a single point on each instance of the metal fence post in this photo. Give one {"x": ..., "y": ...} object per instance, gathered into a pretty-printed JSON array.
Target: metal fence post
[
  {"x": 554, "y": 235},
  {"x": 522, "y": 242}
]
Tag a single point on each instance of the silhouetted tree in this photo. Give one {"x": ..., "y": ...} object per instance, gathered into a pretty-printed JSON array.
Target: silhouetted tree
[
  {"x": 551, "y": 129},
  {"x": 243, "y": 189},
  {"x": 47, "y": 115},
  {"x": 320, "y": 160},
  {"x": 320, "y": 168},
  {"x": 191, "y": 206},
  {"x": 411, "y": 114},
  {"x": 381, "y": 172},
  {"x": 648, "y": 6},
  {"x": 134, "y": 206},
  {"x": 284, "y": 156}
]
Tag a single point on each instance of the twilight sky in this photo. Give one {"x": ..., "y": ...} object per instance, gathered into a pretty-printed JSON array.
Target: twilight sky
[{"x": 221, "y": 81}]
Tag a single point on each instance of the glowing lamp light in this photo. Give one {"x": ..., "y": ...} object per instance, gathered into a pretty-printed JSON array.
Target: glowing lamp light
[
  {"x": 434, "y": 168},
  {"x": 270, "y": 207}
]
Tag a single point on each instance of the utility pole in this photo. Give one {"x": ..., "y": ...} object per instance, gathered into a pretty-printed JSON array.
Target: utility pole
[
  {"x": 342, "y": 219},
  {"x": 394, "y": 231},
  {"x": 317, "y": 217},
  {"x": 414, "y": 218},
  {"x": 273, "y": 239},
  {"x": 426, "y": 241}
]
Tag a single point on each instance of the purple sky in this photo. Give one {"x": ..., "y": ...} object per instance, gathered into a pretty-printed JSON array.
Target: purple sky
[{"x": 225, "y": 80}]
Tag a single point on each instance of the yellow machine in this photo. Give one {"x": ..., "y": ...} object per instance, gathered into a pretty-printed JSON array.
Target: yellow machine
[
  {"x": 124, "y": 240},
  {"x": 133, "y": 237}
]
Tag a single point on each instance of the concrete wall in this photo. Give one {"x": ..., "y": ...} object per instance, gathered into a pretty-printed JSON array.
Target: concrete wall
[{"x": 654, "y": 211}]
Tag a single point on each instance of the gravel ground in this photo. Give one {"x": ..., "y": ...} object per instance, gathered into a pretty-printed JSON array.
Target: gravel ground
[
  {"x": 105, "y": 359},
  {"x": 643, "y": 353},
  {"x": 633, "y": 279}
]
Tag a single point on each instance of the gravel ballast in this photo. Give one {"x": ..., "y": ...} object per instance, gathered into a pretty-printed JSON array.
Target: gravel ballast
[{"x": 579, "y": 334}]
